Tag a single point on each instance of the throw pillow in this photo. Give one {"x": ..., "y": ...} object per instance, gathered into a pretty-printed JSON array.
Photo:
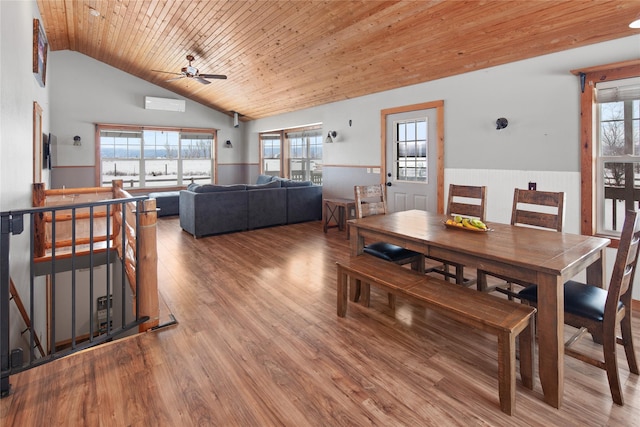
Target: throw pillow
[
  {"x": 193, "y": 186},
  {"x": 263, "y": 179},
  {"x": 272, "y": 184}
]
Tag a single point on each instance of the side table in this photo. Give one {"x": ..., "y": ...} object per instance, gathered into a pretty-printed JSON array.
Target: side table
[{"x": 338, "y": 211}]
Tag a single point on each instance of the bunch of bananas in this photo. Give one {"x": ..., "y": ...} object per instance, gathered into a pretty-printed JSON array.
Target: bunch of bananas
[{"x": 467, "y": 222}]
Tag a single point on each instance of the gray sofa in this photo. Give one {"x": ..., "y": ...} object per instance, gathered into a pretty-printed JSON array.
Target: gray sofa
[{"x": 214, "y": 209}]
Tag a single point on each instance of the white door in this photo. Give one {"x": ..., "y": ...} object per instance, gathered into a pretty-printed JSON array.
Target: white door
[{"x": 411, "y": 160}]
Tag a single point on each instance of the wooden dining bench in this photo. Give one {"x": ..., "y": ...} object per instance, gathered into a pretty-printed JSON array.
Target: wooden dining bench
[{"x": 505, "y": 319}]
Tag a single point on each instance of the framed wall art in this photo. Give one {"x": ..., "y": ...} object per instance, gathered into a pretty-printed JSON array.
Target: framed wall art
[{"x": 40, "y": 48}]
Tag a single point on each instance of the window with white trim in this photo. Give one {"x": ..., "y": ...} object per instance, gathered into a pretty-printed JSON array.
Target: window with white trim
[
  {"x": 305, "y": 155},
  {"x": 293, "y": 153},
  {"x": 270, "y": 150},
  {"x": 617, "y": 121},
  {"x": 154, "y": 157}
]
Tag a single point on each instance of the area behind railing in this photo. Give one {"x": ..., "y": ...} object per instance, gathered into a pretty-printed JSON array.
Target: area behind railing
[{"x": 92, "y": 274}]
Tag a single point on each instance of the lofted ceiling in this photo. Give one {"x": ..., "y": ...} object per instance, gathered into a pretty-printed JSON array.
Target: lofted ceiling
[{"x": 282, "y": 56}]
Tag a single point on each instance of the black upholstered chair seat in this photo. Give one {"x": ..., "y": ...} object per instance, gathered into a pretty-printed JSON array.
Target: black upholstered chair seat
[
  {"x": 389, "y": 252},
  {"x": 579, "y": 299}
]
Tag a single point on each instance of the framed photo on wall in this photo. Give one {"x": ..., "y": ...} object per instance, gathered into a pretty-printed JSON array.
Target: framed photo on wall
[{"x": 40, "y": 48}]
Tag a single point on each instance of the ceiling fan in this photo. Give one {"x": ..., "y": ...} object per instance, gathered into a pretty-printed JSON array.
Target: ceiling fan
[{"x": 193, "y": 73}]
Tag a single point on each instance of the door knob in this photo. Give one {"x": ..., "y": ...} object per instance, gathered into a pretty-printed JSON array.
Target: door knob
[{"x": 389, "y": 184}]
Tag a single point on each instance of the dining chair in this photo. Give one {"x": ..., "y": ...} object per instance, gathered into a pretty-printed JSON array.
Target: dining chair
[
  {"x": 467, "y": 201},
  {"x": 599, "y": 311},
  {"x": 371, "y": 200},
  {"x": 532, "y": 208}
]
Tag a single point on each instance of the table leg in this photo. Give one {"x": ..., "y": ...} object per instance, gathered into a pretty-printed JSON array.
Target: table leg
[
  {"x": 596, "y": 274},
  {"x": 356, "y": 246},
  {"x": 550, "y": 330}
]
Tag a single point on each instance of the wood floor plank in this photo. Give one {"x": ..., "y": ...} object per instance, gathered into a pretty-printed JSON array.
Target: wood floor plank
[{"x": 258, "y": 343}]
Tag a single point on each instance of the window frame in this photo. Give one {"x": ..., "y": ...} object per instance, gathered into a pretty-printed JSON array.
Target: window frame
[
  {"x": 588, "y": 143},
  {"x": 285, "y": 146},
  {"x": 115, "y": 127}
]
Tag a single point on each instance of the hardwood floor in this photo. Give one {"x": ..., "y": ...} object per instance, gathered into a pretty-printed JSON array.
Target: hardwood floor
[{"x": 258, "y": 343}]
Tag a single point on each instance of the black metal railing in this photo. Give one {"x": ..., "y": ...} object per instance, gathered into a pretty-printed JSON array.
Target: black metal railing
[{"x": 65, "y": 287}]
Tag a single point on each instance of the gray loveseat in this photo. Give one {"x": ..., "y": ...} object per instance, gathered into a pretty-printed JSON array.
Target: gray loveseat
[{"x": 214, "y": 209}]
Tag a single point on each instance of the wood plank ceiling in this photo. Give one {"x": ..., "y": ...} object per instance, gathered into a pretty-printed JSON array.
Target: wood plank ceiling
[{"x": 283, "y": 56}]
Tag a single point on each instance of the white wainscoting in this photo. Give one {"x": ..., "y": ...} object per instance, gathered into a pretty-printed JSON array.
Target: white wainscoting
[{"x": 501, "y": 183}]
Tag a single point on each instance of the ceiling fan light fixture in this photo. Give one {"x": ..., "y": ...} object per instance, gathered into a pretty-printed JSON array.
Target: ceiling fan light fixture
[{"x": 635, "y": 23}]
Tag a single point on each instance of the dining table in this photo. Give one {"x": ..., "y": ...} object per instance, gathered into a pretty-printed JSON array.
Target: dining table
[{"x": 543, "y": 257}]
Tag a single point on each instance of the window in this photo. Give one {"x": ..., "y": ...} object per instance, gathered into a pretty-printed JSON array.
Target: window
[
  {"x": 410, "y": 153},
  {"x": 148, "y": 157},
  {"x": 270, "y": 148},
  {"x": 305, "y": 155},
  {"x": 618, "y": 166},
  {"x": 610, "y": 156},
  {"x": 293, "y": 153}
]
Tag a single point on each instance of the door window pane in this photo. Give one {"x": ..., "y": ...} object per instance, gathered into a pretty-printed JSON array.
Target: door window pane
[{"x": 410, "y": 141}]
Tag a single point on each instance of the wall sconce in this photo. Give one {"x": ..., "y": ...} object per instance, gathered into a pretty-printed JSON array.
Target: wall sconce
[
  {"x": 77, "y": 141},
  {"x": 332, "y": 136},
  {"x": 501, "y": 123},
  {"x": 228, "y": 144}
]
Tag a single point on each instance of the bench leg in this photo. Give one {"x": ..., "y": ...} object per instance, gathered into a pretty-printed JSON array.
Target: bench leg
[
  {"x": 527, "y": 348},
  {"x": 355, "y": 290},
  {"x": 507, "y": 372},
  {"x": 342, "y": 292},
  {"x": 365, "y": 289}
]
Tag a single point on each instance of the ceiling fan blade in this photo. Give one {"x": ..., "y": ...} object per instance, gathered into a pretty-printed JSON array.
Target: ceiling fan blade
[
  {"x": 167, "y": 72},
  {"x": 175, "y": 78},
  {"x": 213, "y": 76},
  {"x": 201, "y": 80}
]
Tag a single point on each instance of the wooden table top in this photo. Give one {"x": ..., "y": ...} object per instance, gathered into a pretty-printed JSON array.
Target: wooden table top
[{"x": 541, "y": 250}]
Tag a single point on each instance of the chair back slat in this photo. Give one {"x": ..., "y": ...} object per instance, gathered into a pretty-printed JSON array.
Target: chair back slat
[
  {"x": 369, "y": 200},
  {"x": 467, "y": 200},
  {"x": 543, "y": 209},
  {"x": 624, "y": 269}
]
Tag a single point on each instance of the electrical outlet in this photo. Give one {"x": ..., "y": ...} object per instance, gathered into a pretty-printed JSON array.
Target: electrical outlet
[{"x": 532, "y": 185}]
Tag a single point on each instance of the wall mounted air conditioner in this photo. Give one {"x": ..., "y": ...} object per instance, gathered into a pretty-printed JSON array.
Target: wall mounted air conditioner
[{"x": 164, "y": 104}]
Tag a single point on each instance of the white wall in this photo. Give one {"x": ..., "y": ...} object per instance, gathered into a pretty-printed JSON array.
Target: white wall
[
  {"x": 85, "y": 91},
  {"x": 18, "y": 90}
]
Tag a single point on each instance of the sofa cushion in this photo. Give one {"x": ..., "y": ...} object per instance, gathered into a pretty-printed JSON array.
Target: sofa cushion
[
  {"x": 213, "y": 188},
  {"x": 263, "y": 179},
  {"x": 193, "y": 186},
  {"x": 272, "y": 184},
  {"x": 290, "y": 183}
]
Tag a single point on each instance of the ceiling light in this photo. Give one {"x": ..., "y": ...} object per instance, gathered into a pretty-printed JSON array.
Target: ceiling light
[
  {"x": 636, "y": 22},
  {"x": 93, "y": 12}
]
